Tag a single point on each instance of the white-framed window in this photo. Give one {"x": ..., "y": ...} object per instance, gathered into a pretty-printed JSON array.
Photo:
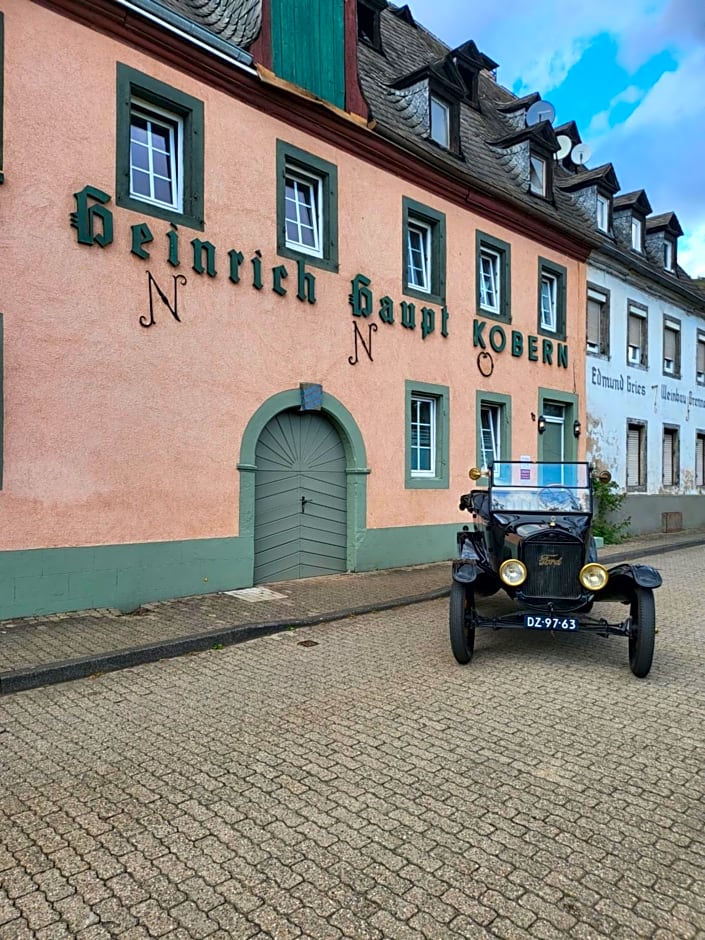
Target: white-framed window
[
  {"x": 603, "y": 213},
  {"x": 440, "y": 121},
  {"x": 423, "y": 436},
  {"x": 418, "y": 248},
  {"x": 490, "y": 283},
  {"x": 700, "y": 458},
  {"x": 156, "y": 155},
  {"x": 636, "y": 456},
  {"x": 668, "y": 254},
  {"x": 598, "y": 323},
  {"x": 537, "y": 175},
  {"x": 490, "y": 434},
  {"x": 700, "y": 359},
  {"x": 549, "y": 302},
  {"x": 670, "y": 456},
  {"x": 671, "y": 347},
  {"x": 303, "y": 203},
  {"x": 636, "y": 336},
  {"x": 637, "y": 234}
]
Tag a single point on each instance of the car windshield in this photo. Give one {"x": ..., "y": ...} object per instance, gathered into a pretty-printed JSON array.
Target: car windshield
[{"x": 522, "y": 486}]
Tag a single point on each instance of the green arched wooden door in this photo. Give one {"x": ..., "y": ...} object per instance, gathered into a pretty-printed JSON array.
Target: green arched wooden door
[{"x": 300, "y": 498}]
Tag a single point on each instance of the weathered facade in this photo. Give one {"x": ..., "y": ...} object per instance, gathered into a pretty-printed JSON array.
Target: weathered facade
[
  {"x": 645, "y": 370},
  {"x": 262, "y": 307}
]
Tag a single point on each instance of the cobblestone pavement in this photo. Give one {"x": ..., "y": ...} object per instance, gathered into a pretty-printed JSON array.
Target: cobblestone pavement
[{"x": 351, "y": 780}]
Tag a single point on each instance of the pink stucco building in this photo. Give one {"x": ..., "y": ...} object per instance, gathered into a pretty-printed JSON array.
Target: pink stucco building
[{"x": 262, "y": 311}]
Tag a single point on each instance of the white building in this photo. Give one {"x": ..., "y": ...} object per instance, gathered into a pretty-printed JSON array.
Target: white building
[{"x": 645, "y": 365}]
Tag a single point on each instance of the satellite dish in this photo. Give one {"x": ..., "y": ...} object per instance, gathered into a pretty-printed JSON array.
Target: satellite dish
[
  {"x": 540, "y": 111},
  {"x": 580, "y": 154},
  {"x": 564, "y": 146}
]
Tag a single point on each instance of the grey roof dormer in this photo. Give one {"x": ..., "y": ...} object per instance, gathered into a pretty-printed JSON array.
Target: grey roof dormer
[
  {"x": 536, "y": 140},
  {"x": 630, "y": 211},
  {"x": 661, "y": 241},
  {"x": 470, "y": 62}
]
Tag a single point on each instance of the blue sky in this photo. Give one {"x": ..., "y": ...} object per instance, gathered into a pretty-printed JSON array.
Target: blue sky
[{"x": 630, "y": 73}]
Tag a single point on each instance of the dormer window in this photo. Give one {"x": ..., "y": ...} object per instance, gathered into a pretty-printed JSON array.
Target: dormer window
[
  {"x": 603, "y": 213},
  {"x": 368, "y": 28},
  {"x": 537, "y": 176},
  {"x": 440, "y": 121},
  {"x": 668, "y": 254},
  {"x": 637, "y": 234}
]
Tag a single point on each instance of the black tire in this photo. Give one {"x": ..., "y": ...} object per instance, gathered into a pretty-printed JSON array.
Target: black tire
[
  {"x": 462, "y": 631},
  {"x": 641, "y": 641}
]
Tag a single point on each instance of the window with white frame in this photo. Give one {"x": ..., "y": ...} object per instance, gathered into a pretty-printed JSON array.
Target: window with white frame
[
  {"x": 549, "y": 302},
  {"x": 670, "y": 456},
  {"x": 700, "y": 359},
  {"x": 490, "y": 284},
  {"x": 700, "y": 458},
  {"x": 423, "y": 436},
  {"x": 307, "y": 207},
  {"x": 490, "y": 434},
  {"x": 156, "y": 155},
  {"x": 603, "y": 213},
  {"x": 440, "y": 121},
  {"x": 537, "y": 175},
  {"x": 159, "y": 139},
  {"x": 598, "y": 322},
  {"x": 303, "y": 212},
  {"x": 636, "y": 456},
  {"x": 637, "y": 234},
  {"x": 418, "y": 247},
  {"x": 424, "y": 260},
  {"x": 668, "y": 254},
  {"x": 671, "y": 347},
  {"x": 636, "y": 336}
]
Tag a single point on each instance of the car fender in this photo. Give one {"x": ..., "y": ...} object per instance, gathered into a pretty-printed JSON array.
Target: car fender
[
  {"x": 624, "y": 578},
  {"x": 465, "y": 574}
]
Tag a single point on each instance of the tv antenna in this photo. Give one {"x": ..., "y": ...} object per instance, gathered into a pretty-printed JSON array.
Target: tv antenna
[{"x": 580, "y": 154}]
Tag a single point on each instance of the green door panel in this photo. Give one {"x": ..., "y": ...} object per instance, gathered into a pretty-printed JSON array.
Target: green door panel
[
  {"x": 300, "y": 499},
  {"x": 308, "y": 46}
]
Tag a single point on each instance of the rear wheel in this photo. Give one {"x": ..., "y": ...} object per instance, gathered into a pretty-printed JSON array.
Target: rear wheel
[
  {"x": 462, "y": 632},
  {"x": 643, "y": 635}
]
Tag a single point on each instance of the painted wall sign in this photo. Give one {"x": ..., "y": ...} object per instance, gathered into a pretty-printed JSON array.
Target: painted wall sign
[
  {"x": 494, "y": 336},
  {"x": 616, "y": 383}
]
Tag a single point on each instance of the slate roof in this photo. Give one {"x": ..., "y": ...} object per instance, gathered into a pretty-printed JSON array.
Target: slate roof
[{"x": 236, "y": 21}]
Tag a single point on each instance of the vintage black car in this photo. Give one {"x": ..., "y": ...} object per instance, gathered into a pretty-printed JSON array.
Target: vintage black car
[{"x": 531, "y": 537}]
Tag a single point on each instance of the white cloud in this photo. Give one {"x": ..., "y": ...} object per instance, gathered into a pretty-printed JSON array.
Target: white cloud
[{"x": 691, "y": 251}]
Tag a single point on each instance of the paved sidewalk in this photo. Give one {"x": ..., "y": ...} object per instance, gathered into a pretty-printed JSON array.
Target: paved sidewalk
[{"x": 36, "y": 651}]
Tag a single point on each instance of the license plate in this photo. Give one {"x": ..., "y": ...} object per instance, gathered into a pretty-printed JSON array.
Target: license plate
[{"x": 542, "y": 622}]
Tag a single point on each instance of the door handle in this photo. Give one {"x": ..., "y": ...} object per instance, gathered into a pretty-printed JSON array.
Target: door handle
[{"x": 303, "y": 503}]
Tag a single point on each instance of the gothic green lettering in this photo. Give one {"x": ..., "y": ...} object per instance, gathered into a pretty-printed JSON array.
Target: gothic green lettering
[
  {"x": 236, "y": 259},
  {"x": 533, "y": 348},
  {"x": 173, "y": 239},
  {"x": 562, "y": 356},
  {"x": 306, "y": 283},
  {"x": 477, "y": 338},
  {"x": 408, "y": 315},
  {"x": 85, "y": 216},
  {"x": 141, "y": 235},
  {"x": 498, "y": 338},
  {"x": 386, "y": 310},
  {"x": 279, "y": 273},
  {"x": 444, "y": 321},
  {"x": 199, "y": 249},
  {"x": 256, "y": 261},
  {"x": 428, "y": 321},
  {"x": 517, "y": 344},
  {"x": 361, "y": 297},
  {"x": 547, "y": 352}
]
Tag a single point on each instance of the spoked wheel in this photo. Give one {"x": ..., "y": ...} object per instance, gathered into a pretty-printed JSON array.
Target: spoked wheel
[
  {"x": 462, "y": 631},
  {"x": 641, "y": 641}
]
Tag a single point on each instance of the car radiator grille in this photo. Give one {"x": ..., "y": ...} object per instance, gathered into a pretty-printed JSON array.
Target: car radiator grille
[{"x": 553, "y": 569}]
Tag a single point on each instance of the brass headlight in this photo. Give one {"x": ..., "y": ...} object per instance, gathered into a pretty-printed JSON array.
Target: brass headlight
[
  {"x": 512, "y": 572},
  {"x": 593, "y": 576}
]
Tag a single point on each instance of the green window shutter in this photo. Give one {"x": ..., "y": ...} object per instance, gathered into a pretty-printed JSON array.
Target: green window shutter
[{"x": 308, "y": 46}]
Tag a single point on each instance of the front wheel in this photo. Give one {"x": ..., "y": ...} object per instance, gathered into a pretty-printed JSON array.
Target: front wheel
[
  {"x": 462, "y": 632},
  {"x": 643, "y": 635}
]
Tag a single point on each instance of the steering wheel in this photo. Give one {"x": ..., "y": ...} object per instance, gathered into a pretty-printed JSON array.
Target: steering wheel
[{"x": 558, "y": 498}]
